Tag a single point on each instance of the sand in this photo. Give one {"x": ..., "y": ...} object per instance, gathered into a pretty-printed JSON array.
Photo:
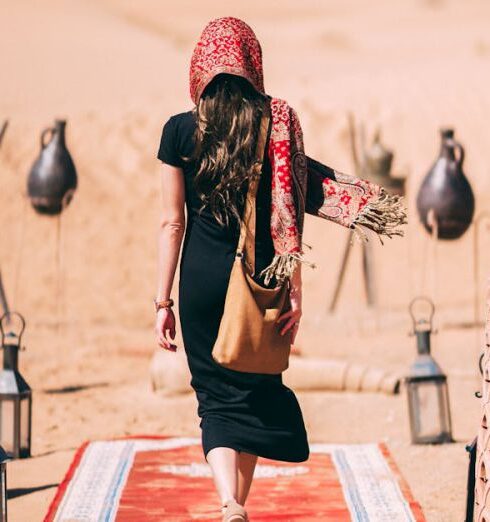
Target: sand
[{"x": 116, "y": 71}]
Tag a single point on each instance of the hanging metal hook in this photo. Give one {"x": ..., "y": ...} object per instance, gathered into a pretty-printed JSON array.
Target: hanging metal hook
[
  {"x": 7, "y": 316},
  {"x": 422, "y": 321}
]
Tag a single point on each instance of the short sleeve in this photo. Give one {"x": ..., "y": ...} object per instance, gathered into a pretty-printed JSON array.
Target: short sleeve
[{"x": 167, "y": 151}]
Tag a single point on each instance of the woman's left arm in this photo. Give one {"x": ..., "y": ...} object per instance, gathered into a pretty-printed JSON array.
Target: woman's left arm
[{"x": 170, "y": 235}]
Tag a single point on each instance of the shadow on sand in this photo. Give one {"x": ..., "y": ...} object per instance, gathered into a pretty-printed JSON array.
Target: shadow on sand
[{"x": 19, "y": 492}]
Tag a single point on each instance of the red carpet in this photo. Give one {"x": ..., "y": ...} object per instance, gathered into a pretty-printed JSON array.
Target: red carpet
[{"x": 153, "y": 479}]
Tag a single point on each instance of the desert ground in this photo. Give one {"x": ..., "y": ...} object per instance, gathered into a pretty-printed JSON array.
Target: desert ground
[{"x": 116, "y": 70}]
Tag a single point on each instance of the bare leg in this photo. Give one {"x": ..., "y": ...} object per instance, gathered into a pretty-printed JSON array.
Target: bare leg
[
  {"x": 224, "y": 466},
  {"x": 246, "y": 467}
]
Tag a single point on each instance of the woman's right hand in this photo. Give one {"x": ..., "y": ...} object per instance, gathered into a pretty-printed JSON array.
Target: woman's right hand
[
  {"x": 295, "y": 312},
  {"x": 165, "y": 328},
  {"x": 292, "y": 316}
]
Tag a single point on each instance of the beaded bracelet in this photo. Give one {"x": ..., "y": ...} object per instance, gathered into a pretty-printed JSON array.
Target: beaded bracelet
[{"x": 167, "y": 303}]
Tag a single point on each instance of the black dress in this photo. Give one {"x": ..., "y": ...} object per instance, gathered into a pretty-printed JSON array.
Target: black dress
[{"x": 250, "y": 412}]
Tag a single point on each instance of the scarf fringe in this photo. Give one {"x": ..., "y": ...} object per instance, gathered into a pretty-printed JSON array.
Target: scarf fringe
[
  {"x": 283, "y": 266},
  {"x": 384, "y": 216}
]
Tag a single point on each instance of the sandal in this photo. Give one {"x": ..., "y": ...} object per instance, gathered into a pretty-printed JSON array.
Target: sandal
[{"x": 234, "y": 512}]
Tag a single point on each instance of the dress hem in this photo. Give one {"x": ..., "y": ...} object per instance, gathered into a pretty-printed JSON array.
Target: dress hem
[{"x": 243, "y": 449}]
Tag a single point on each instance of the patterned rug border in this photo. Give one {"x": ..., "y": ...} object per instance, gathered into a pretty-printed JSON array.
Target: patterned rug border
[
  {"x": 76, "y": 461},
  {"x": 403, "y": 483},
  {"x": 315, "y": 448},
  {"x": 66, "y": 480}
]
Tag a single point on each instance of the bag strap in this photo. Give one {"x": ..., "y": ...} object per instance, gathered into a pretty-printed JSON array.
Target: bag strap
[{"x": 247, "y": 228}]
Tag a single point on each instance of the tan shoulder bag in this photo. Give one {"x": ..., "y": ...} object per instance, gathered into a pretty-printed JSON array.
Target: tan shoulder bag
[{"x": 249, "y": 338}]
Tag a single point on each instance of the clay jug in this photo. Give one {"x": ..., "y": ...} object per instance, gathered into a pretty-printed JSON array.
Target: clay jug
[
  {"x": 378, "y": 159},
  {"x": 376, "y": 166},
  {"x": 53, "y": 177},
  {"x": 447, "y": 190}
]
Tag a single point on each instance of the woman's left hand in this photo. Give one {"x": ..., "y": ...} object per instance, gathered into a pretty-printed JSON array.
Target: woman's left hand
[{"x": 165, "y": 328}]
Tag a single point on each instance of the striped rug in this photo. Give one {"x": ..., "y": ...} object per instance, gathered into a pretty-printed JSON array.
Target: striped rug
[{"x": 150, "y": 479}]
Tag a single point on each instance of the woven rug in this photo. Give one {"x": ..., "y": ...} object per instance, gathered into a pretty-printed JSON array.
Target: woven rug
[{"x": 150, "y": 479}]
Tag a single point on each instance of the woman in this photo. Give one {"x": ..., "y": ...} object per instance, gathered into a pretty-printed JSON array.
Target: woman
[{"x": 207, "y": 156}]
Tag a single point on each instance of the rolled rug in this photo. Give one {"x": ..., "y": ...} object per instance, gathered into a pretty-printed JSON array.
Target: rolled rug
[{"x": 313, "y": 373}]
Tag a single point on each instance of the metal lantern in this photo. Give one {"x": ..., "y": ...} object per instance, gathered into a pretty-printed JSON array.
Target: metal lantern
[
  {"x": 15, "y": 393},
  {"x": 3, "y": 484},
  {"x": 427, "y": 392}
]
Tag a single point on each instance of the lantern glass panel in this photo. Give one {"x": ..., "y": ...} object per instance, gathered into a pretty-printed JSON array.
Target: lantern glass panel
[
  {"x": 3, "y": 486},
  {"x": 444, "y": 408},
  {"x": 7, "y": 425},
  {"x": 428, "y": 420},
  {"x": 24, "y": 426}
]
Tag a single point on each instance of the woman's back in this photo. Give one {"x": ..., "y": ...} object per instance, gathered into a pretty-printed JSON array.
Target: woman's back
[
  {"x": 247, "y": 411},
  {"x": 177, "y": 141}
]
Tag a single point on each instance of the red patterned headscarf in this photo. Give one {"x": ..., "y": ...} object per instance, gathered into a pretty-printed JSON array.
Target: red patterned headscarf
[{"x": 228, "y": 45}]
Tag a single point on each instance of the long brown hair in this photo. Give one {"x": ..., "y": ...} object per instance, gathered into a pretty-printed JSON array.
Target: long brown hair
[{"x": 228, "y": 118}]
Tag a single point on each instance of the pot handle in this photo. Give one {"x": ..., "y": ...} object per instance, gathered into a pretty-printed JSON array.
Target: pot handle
[
  {"x": 460, "y": 149},
  {"x": 44, "y": 133}
]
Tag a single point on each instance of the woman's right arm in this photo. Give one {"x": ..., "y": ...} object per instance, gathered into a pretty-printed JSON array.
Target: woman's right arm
[{"x": 170, "y": 235}]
